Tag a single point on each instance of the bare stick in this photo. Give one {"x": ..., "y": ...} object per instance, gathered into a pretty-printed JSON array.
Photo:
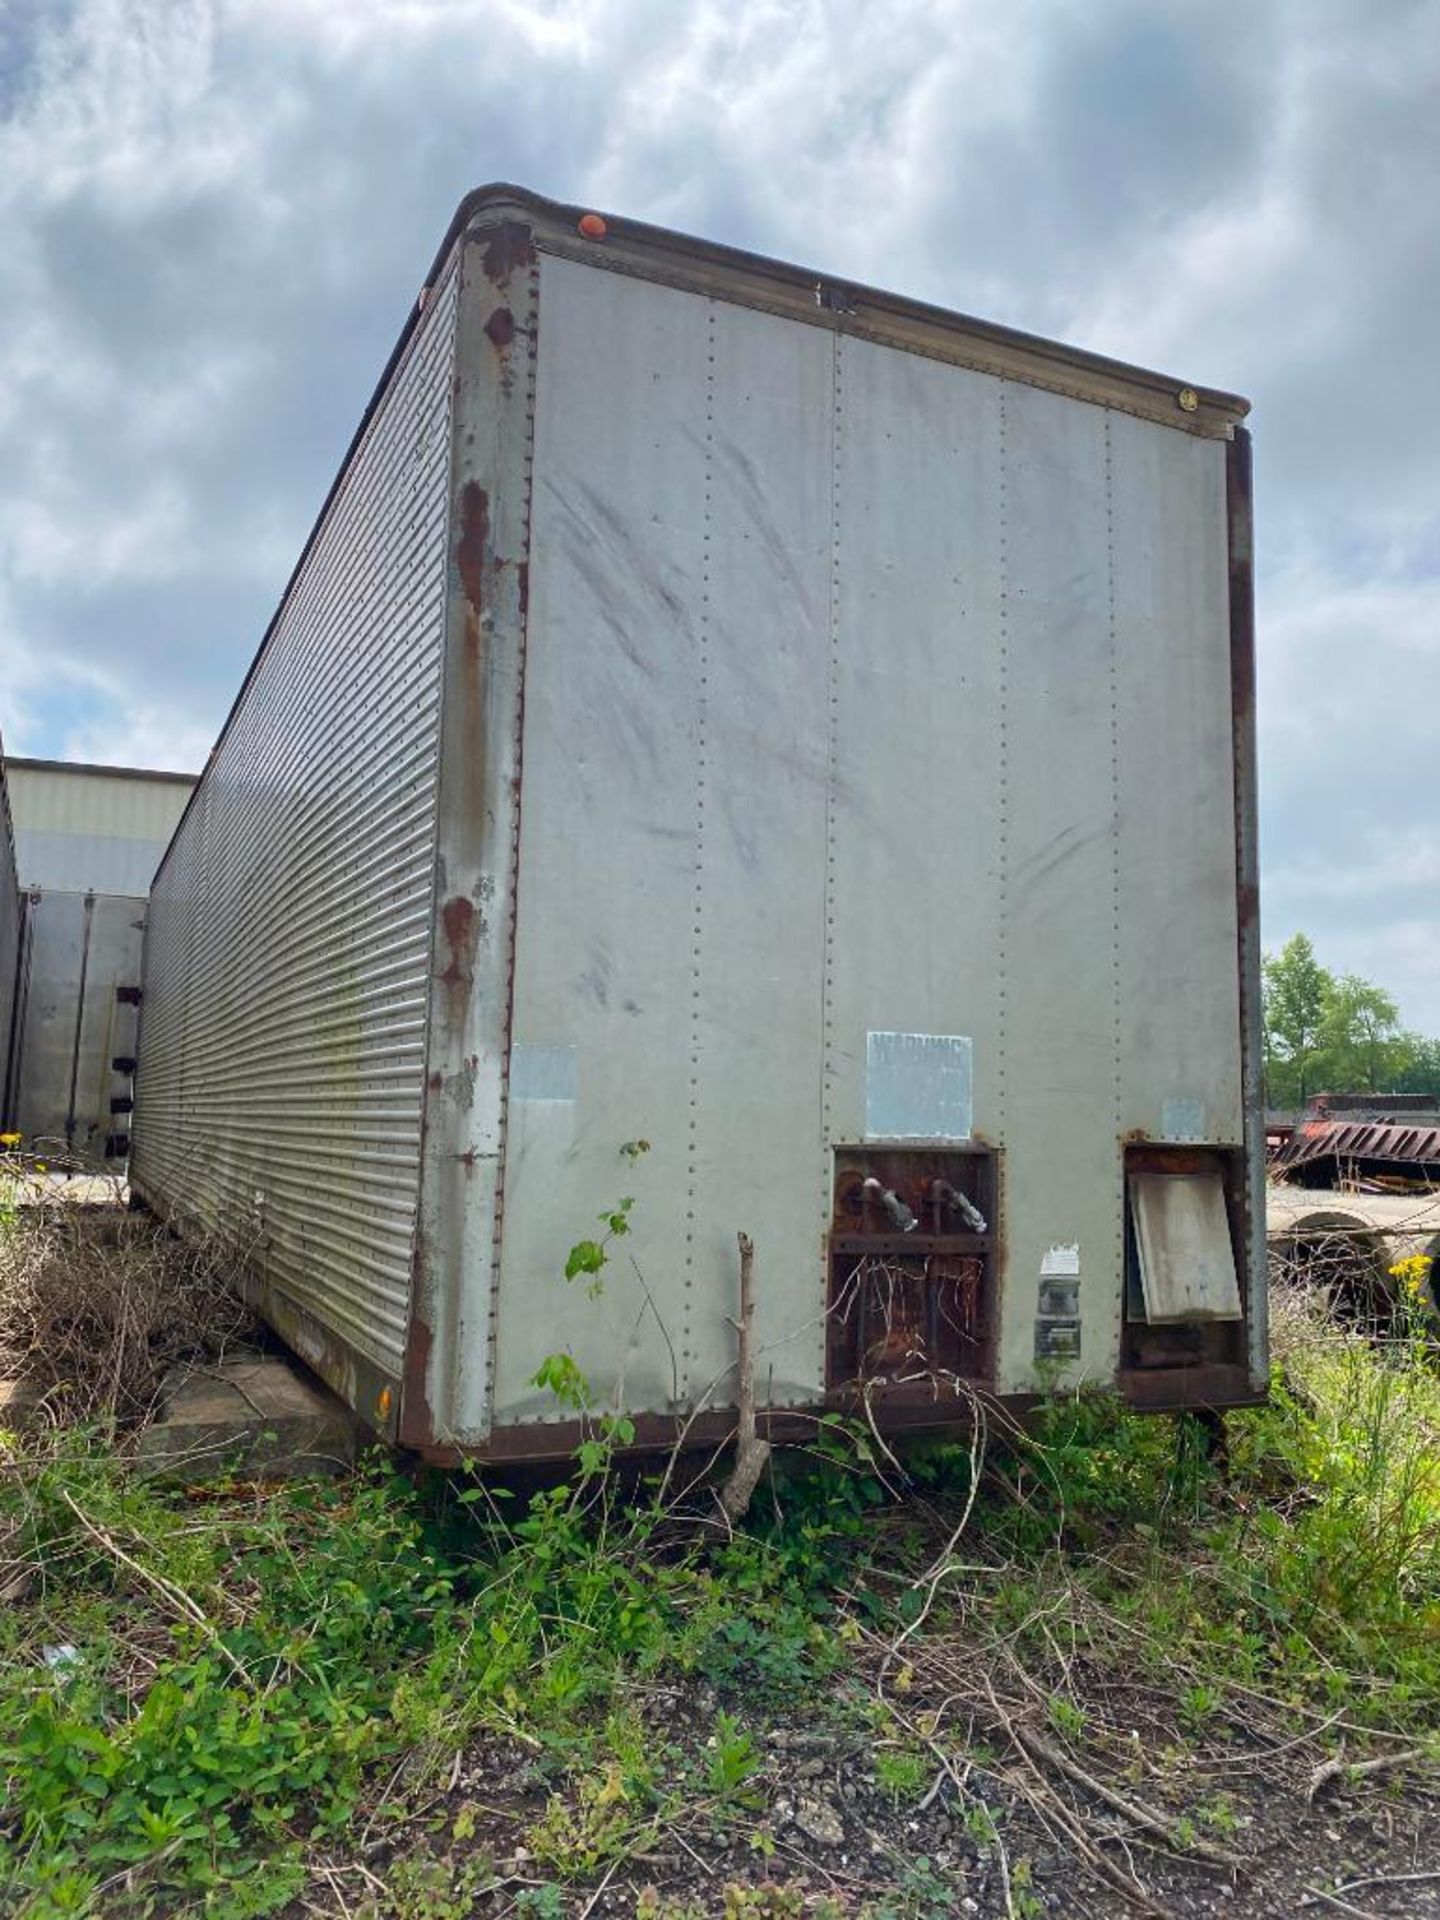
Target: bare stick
[
  {"x": 594, "y": 1900},
  {"x": 1004, "y": 1860},
  {"x": 751, "y": 1452},
  {"x": 1331, "y": 1770},
  {"x": 1385, "y": 1880},
  {"x": 1341, "y": 1906},
  {"x": 1140, "y": 1815}
]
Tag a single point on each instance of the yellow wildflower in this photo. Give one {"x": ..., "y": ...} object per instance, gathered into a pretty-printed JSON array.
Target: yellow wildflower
[{"x": 1411, "y": 1273}]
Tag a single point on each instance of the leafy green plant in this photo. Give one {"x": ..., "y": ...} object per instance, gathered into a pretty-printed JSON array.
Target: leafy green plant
[
  {"x": 246, "y": 1727},
  {"x": 591, "y": 1257},
  {"x": 422, "y": 1887},
  {"x": 902, "y": 1772},
  {"x": 732, "y": 1759},
  {"x": 257, "y": 1678},
  {"x": 921, "y": 1893},
  {"x": 1027, "y": 1904},
  {"x": 980, "y": 1823},
  {"x": 541, "y": 1903},
  {"x": 604, "y": 1819},
  {"x": 1066, "y": 1717},
  {"x": 1199, "y": 1704},
  {"x": 608, "y": 1431},
  {"x": 1217, "y": 1812}
]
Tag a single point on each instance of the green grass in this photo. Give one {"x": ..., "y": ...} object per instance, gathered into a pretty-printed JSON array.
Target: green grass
[
  {"x": 249, "y": 1669},
  {"x": 244, "y": 1669},
  {"x": 1313, "y": 1572}
]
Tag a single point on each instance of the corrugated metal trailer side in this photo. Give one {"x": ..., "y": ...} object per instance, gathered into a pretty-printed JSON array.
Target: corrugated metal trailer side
[
  {"x": 801, "y": 728},
  {"x": 10, "y": 912},
  {"x": 279, "y": 1095}
]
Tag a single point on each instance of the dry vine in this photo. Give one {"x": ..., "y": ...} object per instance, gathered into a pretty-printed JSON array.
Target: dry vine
[{"x": 97, "y": 1304}]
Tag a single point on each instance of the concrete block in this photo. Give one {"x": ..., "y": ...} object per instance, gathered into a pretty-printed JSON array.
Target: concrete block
[{"x": 256, "y": 1417}]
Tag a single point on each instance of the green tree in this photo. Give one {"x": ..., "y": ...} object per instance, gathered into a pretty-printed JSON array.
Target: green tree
[
  {"x": 1297, "y": 992},
  {"x": 1358, "y": 1031},
  {"x": 1415, "y": 1065}
]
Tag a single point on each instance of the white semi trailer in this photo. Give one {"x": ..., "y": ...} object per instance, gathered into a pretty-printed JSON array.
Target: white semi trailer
[
  {"x": 796, "y": 727},
  {"x": 10, "y": 918}
]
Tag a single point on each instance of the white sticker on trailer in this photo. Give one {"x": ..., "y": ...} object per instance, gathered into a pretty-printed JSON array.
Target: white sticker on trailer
[
  {"x": 543, "y": 1073},
  {"x": 1182, "y": 1119},
  {"x": 918, "y": 1086},
  {"x": 1060, "y": 1260}
]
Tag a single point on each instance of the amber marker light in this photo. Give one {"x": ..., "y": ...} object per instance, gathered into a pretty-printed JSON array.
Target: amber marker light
[{"x": 593, "y": 226}]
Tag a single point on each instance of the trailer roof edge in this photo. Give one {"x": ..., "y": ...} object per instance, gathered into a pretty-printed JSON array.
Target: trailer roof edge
[{"x": 634, "y": 245}]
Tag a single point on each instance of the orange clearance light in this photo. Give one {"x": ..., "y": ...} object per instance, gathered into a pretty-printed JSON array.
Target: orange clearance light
[
  {"x": 384, "y": 1407},
  {"x": 593, "y": 226}
]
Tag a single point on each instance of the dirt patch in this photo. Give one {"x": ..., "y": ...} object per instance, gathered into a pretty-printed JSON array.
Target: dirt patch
[{"x": 813, "y": 1830}]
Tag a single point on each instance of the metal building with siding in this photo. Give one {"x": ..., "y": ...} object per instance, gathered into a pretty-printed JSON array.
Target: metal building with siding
[
  {"x": 803, "y": 729},
  {"x": 81, "y": 828}
]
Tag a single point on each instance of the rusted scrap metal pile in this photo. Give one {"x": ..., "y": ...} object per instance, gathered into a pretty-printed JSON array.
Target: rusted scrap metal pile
[
  {"x": 1368, "y": 1142},
  {"x": 1355, "y": 1191}
]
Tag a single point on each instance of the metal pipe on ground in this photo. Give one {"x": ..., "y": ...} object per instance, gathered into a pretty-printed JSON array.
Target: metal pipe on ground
[{"x": 1348, "y": 1242}]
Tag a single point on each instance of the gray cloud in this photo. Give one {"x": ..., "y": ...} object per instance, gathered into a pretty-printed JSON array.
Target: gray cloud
[{"x": 216, "y": 216}]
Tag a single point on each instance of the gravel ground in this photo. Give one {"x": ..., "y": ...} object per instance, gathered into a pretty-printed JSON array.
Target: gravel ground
[{"x": 818, "y": 1825}]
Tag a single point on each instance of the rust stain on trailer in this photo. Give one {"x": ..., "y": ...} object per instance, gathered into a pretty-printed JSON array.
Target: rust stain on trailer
[
  {"x": 470, "y": 554},
  {"x": 417, "y": 1418},
  {"x": 1240, "y": 544},
  {"x": 500, "y": 328},
  {"x": 1145, "y": 1155},
  {"x": 460, "y": 925},
  {"x": 1213, "y": 1384},
  {"x": 656, "y": 1433},
  {"x": 511, "y": 245}
]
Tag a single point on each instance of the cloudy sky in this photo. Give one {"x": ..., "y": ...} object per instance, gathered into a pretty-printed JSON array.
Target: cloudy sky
[{"x": 214, "y": 217}]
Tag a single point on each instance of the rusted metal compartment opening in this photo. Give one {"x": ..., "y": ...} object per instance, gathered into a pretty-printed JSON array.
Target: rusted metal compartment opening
[
  {"x": 912, "y": 1306},
  {"x": 1187, "y": 1274},
  {"x": 821, "y": 747}
]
